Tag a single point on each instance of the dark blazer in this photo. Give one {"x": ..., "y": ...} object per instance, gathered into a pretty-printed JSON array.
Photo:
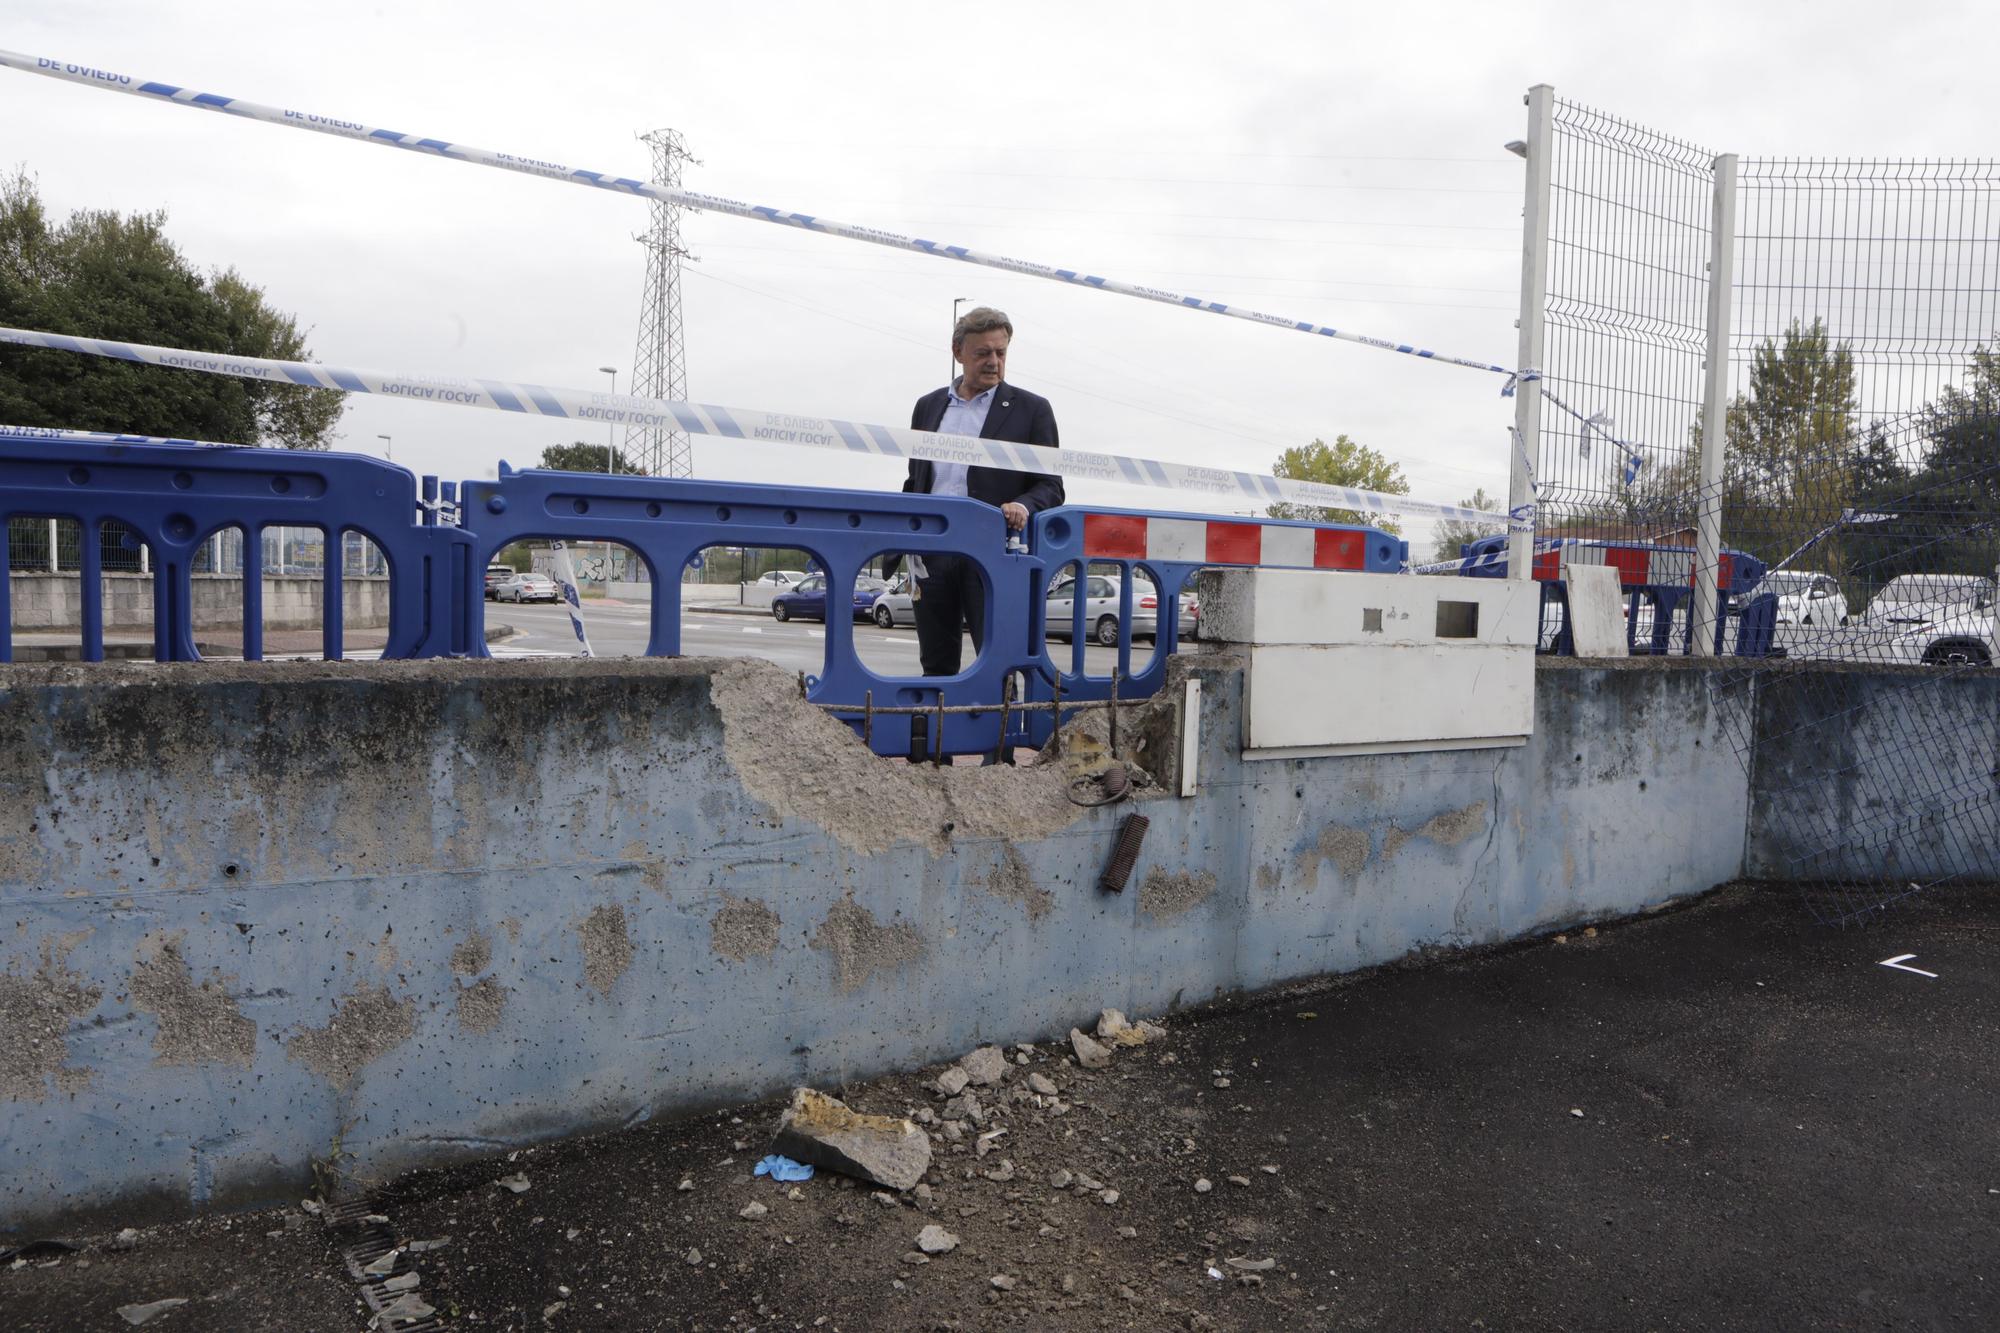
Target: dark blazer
[{"x": 1017, "y": 416}]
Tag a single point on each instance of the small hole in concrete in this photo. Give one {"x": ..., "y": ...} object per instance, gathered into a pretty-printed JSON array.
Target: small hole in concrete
[
  {"x": 1642, "y": 784},
  {"x": 230, "y": 870}
]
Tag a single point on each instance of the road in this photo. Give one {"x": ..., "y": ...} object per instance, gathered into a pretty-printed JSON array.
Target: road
[{"x": 621, "y": 630}]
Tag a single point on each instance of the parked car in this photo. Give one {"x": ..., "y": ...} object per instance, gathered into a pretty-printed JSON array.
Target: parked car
[
  {"x": 1100, "y": 614},
  {"x": 1804, "y": 597},
  {"x": 495, "y": 576},
  {"x": 781, "y": 578},
  {"x": 526, "y": 588},
  {"x": 1925, "y": 599},
  {"x": 892, "y": 606},
  {"x": 1961, "y": 640},
  {"x": 807, "y": 601}
]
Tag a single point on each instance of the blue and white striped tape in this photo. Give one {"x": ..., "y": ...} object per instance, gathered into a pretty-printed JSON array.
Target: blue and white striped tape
[
  {"x": 352, "y": 129},
  {"x": 757, "y": 427},
  {"x": 564, "y": 570}
]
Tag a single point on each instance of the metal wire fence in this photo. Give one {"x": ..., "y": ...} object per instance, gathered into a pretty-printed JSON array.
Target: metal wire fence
[{"x": 1860, "y": 464}]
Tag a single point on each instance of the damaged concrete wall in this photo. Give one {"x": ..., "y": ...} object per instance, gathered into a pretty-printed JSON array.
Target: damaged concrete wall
[{"x": 402, "y": 913}]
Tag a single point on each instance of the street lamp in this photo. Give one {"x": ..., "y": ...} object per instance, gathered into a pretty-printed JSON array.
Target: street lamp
[
  {"x": 955, "y": 304},
  {"x": 610, "y": 466},
  {"x": 610, "y": 457},
  {"x": 388, "y": 451}
]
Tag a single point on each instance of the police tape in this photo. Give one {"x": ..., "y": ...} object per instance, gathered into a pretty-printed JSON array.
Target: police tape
[
  {"x": 565, "y": 579},
  {"x": 753, "y": 426},
  {"x": 356, "y": 130}
]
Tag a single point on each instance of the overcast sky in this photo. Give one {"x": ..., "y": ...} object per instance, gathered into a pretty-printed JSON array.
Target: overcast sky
[{"x": 1336, "y": 163}]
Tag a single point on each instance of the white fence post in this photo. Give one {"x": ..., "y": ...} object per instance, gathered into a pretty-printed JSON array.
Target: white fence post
[
  {"x": 1714, "y": 411},
  {"x": 1528, "y": 349},
  {"x": 55, "y": 551}
]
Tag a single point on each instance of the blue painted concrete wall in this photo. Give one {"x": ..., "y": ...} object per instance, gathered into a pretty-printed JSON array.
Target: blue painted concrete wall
[{"x": 432, "y": 909}]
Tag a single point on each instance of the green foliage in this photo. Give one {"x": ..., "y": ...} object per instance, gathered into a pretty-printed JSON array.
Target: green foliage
[
  {"x": 102, "y": 274},
  {"x": 1451, "y": 534},
  {"x": 1344, "y": 463},
  {"x": 586, "y": 457}
]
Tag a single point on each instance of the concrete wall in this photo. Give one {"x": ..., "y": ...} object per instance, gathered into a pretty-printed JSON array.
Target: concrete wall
[
  {"x": 55, "y": 601},
  {"x": 1889, "y": 774},
  {"x": 431, "y": 910}
]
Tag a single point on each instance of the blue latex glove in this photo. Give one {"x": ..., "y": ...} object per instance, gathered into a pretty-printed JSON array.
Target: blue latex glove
[{"x": 783, "y": 1169}]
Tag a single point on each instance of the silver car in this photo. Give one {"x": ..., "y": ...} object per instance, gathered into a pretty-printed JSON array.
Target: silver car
[
  {"x": 1100, "y": 609},
  {"x": 893, "y": 606}
]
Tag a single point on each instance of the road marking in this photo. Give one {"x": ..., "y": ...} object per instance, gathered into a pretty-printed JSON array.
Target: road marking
[
  {"x": 815, "y": 634},
  {"x": 753, "y": 629},
  {"x": 1902, "y": 958}
]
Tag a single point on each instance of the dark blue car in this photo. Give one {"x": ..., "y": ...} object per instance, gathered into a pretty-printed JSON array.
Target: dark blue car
[{"x": 807, "y": 599}]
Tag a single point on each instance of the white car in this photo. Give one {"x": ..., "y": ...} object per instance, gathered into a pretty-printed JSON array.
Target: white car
[
  {"x": 781, "y": 578},
  {"x": 1914, "y": 600},
  {"x": 526, "y": 588},
  {"x": 1804, "y": 597},
  {"x": 1962, "y": 640}
]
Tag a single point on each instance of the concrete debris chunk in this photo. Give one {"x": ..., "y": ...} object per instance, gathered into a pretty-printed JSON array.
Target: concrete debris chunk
[
  {"x": 1001, "y": 1174},
  {"x": 139, "y": 1314},
  {"x": 1086, "y": 1183},
  {"x": 126, "y": 1239},
  {"x": 883, "y": 1150},
  {"x": 692, "y": 1258},
  {"x": 750, "y": 1212},
  {"x": 1108, "y": 1197},
  {"x": 1240, "y": 1180},
  {"x": 952, "y": 1081},
  {"x": 934, "y": 1239},
  {"x": 1061, "y": 1179},
  {"x": 1002, "y": 1282},
  {"x": 1042, "y": 1084},
  {"x": 1252, "y": 1265},
  {"x": 965, "y": 1106},
  {"x": 518, "y": 1183},
  {"x": 1202, "y": 1186},
  {"x": 685, "y": 1185},
  {"x": 1088, "y": 1053},
  {"x": 985, "y": 1066}
]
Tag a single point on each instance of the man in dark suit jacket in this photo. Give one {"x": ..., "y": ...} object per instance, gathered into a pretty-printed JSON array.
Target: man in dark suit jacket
[{"x": 979, "y": 402}]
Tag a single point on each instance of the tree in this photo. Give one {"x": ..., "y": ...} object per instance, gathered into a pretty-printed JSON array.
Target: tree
[
  {"x": 1344, "y": 463},
  {"x": 586, "y": 457},
  {"x": 1451, "y": 533},
  {"x": 102, "y": 274}
]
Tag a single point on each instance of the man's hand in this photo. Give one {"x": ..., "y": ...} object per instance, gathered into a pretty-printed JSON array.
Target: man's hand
[{"x": 1016, "y": 515}]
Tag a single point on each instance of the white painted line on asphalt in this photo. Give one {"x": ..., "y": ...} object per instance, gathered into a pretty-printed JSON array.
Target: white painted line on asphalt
[
  {"x": 1902, "y": 958},
  {"x": 753, "y": 629}
]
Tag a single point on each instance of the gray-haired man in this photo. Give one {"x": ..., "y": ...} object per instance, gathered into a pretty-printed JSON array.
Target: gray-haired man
[{"x": 980, "y": 402}]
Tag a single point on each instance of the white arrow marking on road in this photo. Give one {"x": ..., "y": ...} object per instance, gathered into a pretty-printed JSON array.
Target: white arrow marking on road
[{"x": 1902, "y": 958}]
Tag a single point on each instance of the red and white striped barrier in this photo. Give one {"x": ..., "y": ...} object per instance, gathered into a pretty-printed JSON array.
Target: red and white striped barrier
[
  {"x": 1222, "y": 542},
  {"x": 1637, "y": 566}
]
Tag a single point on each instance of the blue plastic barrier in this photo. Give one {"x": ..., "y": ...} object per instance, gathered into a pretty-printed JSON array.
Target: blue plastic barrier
[
  {"x": 174, "y": 497},
  {"x": 1654, "y": 575}
]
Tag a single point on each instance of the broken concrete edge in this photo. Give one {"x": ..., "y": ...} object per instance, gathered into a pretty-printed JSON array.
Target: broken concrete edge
[{"x": 141, "y": 650}]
